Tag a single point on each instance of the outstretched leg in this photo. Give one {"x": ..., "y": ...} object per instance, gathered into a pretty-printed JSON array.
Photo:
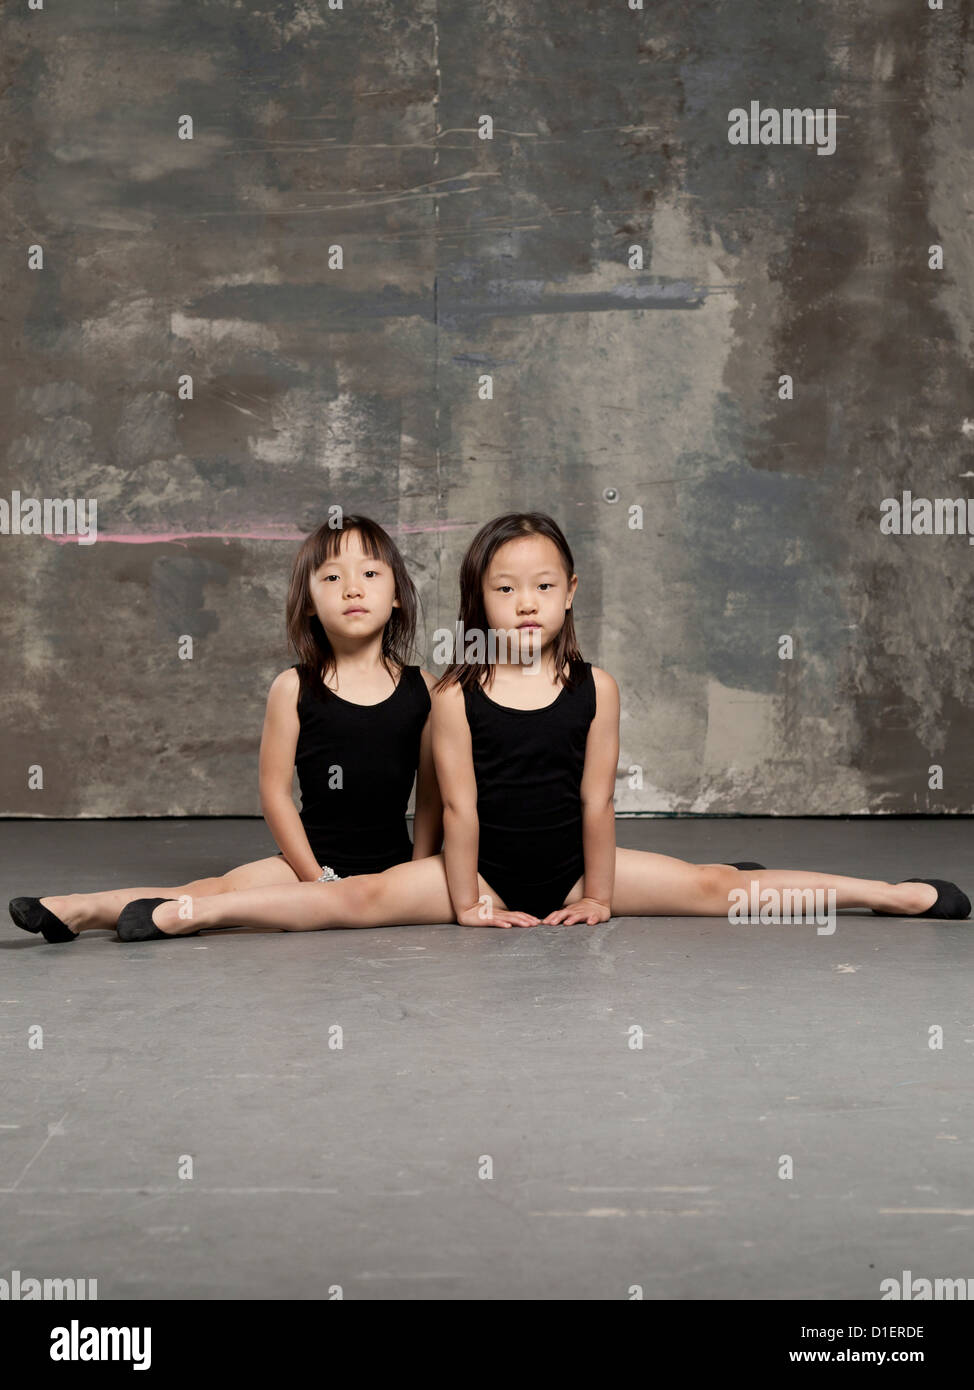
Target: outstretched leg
[
  {"x": 414, "y": 893},
  {"x": 655, "y": 885},
  {"x": 99, "y": 911}
]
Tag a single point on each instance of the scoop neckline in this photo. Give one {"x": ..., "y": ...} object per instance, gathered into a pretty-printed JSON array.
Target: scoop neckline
[
  {"x": 513, "y": 709},
  {"x": 355, "y": 704}
]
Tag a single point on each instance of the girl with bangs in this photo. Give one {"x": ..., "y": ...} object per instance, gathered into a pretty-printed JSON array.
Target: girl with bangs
[
  {"x": 527, "y": 772},
  {"x": 352, "y": 717}
]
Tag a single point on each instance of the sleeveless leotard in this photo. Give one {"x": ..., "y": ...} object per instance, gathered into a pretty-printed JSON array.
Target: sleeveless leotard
[
  {"x": 528, "y": 764},
  {"x": 356, "y": 765}
]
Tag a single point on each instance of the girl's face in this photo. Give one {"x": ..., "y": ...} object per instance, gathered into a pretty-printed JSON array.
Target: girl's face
[
  {"x": 353, "y": 593},
  {"x": 526, "y": 587}
]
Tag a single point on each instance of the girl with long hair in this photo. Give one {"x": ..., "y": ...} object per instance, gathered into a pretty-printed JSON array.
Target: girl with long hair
[
  {"x": 352, "y": 716},
  {"x": 527, "y": 771}
]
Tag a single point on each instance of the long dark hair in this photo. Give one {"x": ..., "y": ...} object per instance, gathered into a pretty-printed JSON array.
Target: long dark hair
[
  {"x": 473, "y": 570},
  {"x": 316, "y": 657}
]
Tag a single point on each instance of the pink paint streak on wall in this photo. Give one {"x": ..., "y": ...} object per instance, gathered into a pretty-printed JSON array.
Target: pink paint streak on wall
[{"x": 258, "y": 533}]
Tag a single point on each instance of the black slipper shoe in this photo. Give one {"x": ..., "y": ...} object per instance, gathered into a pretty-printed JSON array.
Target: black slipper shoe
[
  {"x": 747, "y": 866},
  {"x": 135, "y": 921},
  {"x": 951, "y": 903},
  {"x": 33, "y": 916}
]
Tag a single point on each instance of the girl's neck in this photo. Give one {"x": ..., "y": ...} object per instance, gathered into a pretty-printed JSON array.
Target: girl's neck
[
  {"x": 544, "y": 670},
  {"x": 358, "y": 660}
]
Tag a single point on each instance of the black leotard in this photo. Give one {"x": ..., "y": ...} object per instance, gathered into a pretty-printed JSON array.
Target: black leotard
[
  {"x": 356, "y": 822},
  {"x": 528, "y": 764}
]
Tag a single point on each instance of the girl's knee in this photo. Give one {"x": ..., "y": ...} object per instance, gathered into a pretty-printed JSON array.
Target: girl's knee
[
  {"x": 362, "y": 894},
  {"x": 716, "y": 881}
]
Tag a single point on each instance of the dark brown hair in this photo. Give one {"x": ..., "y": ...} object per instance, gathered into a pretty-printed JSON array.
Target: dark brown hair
[
  {"x": 306, "y": 635},
  {"x": 473, "y": 571}
]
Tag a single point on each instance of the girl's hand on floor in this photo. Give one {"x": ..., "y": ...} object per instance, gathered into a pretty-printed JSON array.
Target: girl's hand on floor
[
  {"x": 484, "y": 914},
  {"x": 587, "y": 910}
]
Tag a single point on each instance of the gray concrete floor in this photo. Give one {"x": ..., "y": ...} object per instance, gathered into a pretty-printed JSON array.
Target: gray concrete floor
[{"x": 612, "y": 1167}]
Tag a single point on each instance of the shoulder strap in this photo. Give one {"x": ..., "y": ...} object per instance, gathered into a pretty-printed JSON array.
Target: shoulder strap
[{"x": 413, "y": 675}]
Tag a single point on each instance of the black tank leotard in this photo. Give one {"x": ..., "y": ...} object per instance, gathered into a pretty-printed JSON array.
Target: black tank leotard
[
  {"x": 355, "y": 820},
  {"x": 528, "y": 764}
]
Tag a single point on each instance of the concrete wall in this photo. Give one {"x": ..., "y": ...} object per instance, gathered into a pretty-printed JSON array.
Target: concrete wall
[{"x": 511, "y": 257}]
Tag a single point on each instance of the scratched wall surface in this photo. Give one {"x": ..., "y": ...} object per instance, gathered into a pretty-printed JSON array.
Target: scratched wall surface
[{"x": 510, "y": 257}]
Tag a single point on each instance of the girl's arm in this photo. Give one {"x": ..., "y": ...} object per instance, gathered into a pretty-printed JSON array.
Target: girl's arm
[
  {"x": 598, "y": 811},
  {"x": 278, "y": 745},
  {"x": 428, "y": 820},
  {"x": 453, "y": 756}
]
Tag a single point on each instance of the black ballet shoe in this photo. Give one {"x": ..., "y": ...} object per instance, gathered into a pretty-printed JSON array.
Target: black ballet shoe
[
  {"x": 951, "y": 903},
  {"x": 745, "y": 865},
  {"x": 135, "y": 921},
  {"x": 31, "y": 915}
]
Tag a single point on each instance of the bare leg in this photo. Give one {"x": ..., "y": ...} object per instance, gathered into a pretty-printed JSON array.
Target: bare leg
[
  {"x": 654, "y": 885},
  {"x": 99, "y": 911},
  {"x": 414, "y": 893}
]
